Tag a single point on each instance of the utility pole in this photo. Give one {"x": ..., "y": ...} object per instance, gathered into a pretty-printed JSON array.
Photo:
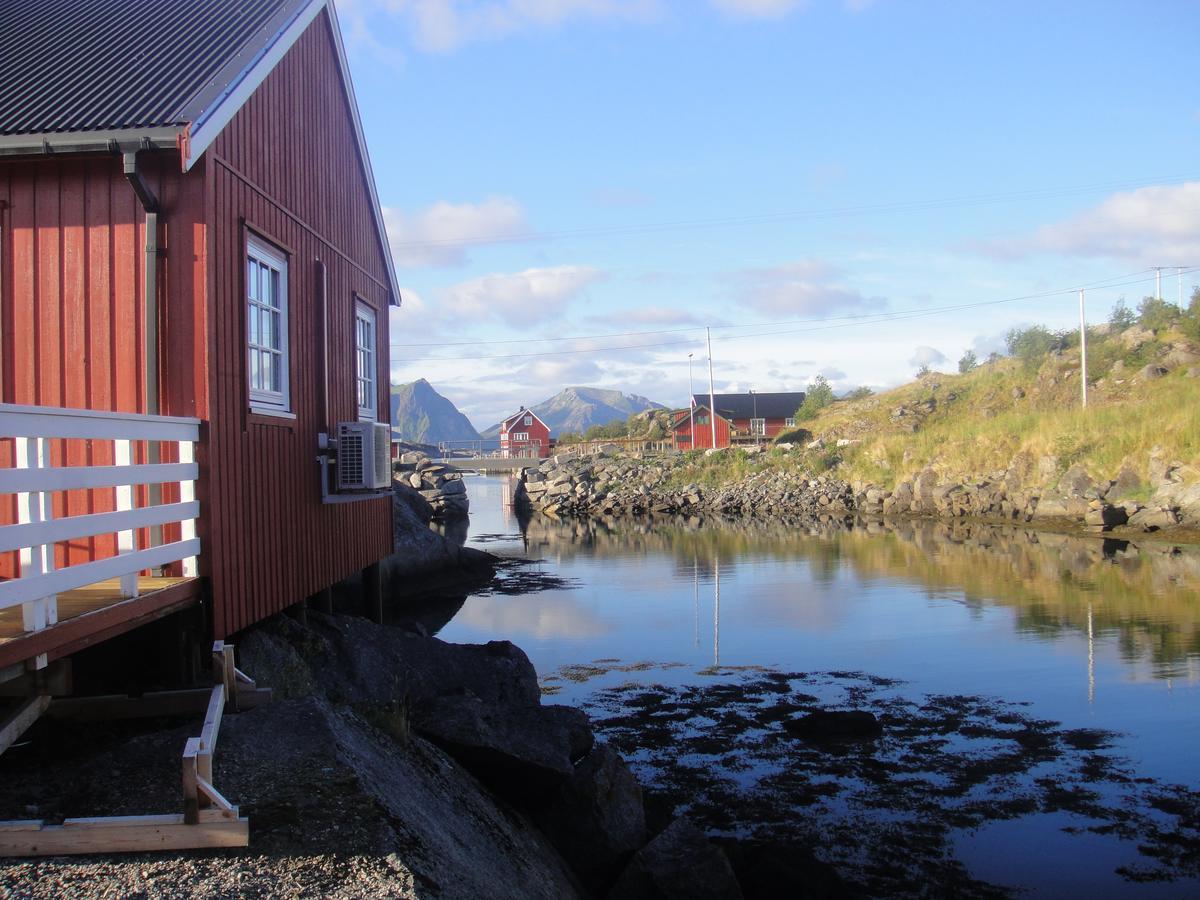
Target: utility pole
[
  {"x": 691, "y": 408},
  {"x": 1158, "y": 282},
  {"x": 1082, "y": 349},
  {"x": 1180, "y": 273},
  {"x": 712, "y": 397}
]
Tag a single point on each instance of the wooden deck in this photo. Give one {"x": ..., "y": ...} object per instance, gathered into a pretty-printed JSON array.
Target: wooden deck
[{"x": 92, "y": 614}]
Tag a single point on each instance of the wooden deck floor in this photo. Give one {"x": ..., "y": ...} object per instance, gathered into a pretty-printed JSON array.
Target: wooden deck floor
[{"x": 92, "y": 614}]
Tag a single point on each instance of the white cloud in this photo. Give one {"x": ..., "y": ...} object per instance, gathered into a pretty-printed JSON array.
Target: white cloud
[
  {"x": 519, "y": 298},
  {"x": 927, "y": 356},
  {"x": 440, "y": 26},
  {"x": 1152, "y": 225},
  {"x": 801, "y": 289},
  {"x": 440, "y": 234},
  {"x": 757, "y": 9}
]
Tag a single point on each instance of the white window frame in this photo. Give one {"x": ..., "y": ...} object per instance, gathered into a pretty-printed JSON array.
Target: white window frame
[
  {"x": 529, "y": 420},
  {"x": 366, "y": 362},
  {"x": 261, "y": 255},
  {"x": 758, "y": 426},
  {"x": 789, "y": 423},
  {"x": 520, "y": 436}
]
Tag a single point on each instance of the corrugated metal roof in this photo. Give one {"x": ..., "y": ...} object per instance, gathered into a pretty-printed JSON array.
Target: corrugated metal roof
[
  {"x": 100, "y": 65},
  {"x": 773, "y": 405}
]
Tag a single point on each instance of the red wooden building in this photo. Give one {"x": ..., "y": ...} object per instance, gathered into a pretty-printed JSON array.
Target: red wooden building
[
  {"x": 192, "y": 250},
  {"x": 756, "y": 416},
  {"x": 523, "y": 434},
  {"x": 681, "y": 429}
]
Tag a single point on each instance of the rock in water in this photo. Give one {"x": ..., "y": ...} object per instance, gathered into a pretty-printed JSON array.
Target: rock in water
[
  {"x": 835, "y": 725},
  {"x": 680, "y": 864}
]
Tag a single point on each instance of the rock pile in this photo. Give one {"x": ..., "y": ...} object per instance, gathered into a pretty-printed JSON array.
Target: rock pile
[
  {"x": 1027, "y": 491},
  {"x": 616, "y": 486},
  {"x": 441, "y": 485}
]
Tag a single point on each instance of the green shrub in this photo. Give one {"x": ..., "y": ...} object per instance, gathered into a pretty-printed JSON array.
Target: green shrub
[
  {"x": 1157, "y": 314},
  {"x": 818, "y": 396},
  {"x": 1121, "y": 316},
  {"x": 968, "y": 363}
]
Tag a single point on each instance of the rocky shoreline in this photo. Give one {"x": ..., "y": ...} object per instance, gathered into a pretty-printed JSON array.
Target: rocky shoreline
[{"x": 1028, "y": 491}]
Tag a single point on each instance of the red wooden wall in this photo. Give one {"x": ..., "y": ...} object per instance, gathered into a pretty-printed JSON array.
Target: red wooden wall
[
  {"x": 682, "y": 433},
  {"x": 72, "y": 308},
  {"x": 286, "y": 168},
  {"x": 72, "y": 305}
]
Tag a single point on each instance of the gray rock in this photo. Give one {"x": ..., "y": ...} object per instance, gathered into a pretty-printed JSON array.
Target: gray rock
[
  {"x": 521, "y": 751},
  {"x": 1150, "y": 372},
  {"x": 416, "y": 480},
  {"x": 1076, "y": 482},
  {"x": 680, "y": 864},
  {"x": 1106, "y": 517},
  {"x": 1153, "y": 518},
  {"x": 1126, "y": 484},
  {"x": 596, "y": 819},
  {"x": 1136, "y": 337}
]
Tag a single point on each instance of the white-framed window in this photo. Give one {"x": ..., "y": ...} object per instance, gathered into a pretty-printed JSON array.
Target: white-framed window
[
  {"x": 267, "y": 327},
  {"x": 521, "y": 436},
  {"x": 789, "y": 423},
  {"x": 529, "y": 420},
  {"x": 365, "y": 362},
  {"x": 758, "y": 426}
]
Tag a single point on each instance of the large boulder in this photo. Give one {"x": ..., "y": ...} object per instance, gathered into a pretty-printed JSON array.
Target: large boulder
[
  {"x": 680, "y": 864},
  {"x": 522, "y": 751},
  {"x": 596, "y": 818}
]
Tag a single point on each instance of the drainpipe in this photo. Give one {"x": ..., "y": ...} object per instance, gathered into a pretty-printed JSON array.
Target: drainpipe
[{"x": 150, "y": 205}]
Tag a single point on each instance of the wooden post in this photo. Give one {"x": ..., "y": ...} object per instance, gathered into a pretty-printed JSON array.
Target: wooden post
[{"x": 372, "y": 586}]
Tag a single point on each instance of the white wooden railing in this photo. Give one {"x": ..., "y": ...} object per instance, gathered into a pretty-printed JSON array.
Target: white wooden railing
[{"x": 35, "y": 481}]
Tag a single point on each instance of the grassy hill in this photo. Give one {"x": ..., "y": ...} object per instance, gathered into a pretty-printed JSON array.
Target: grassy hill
[{"x": 1025, "y": 413}]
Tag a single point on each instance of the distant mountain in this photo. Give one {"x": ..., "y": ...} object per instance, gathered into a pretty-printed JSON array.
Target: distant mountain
[
  {"x": 422, "y": 415},
  {"x": 579, "y": 408}
]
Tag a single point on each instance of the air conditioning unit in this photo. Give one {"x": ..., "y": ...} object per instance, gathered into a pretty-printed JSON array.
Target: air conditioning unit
[
  {"x": 364, "y": 456},
  {"x": 383, "y": 456}
]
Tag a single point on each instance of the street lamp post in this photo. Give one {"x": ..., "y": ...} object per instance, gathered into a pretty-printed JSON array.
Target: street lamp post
[{"x": 691, "y": 409}]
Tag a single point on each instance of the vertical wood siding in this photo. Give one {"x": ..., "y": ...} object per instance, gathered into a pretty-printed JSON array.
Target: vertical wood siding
[
  {"x": 286, "y": 169},
  {"x": 72, "y": 306}
]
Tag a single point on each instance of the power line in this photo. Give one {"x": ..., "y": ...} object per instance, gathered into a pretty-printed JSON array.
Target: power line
[
  {"x": 826, "y": 324},
  {"x": 767, "y": 218},
  {"x": 696, "y": 328}
]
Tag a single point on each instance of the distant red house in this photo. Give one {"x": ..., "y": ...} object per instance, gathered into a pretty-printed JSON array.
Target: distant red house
[
  {"x": 523, "y": 434},
  {"x": 681, "y": 430},
  {"x": 193, "y": 255},
  {"x": 756, "y": 416}
]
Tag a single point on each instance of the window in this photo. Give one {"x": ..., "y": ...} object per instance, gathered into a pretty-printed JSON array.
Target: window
[
  {"x": 364, "y": 360},
  {"x": 701, "y": 420},
  {"x": 758, "y": 426},
  {"x": 789, "y": 423},
  {"x": 529, "y": 420},
  {"x": 521, "y": 436},
  {"x": 267, "y": 327}
]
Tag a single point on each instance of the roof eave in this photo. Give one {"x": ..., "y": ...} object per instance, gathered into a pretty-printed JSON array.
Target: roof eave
[{"x": 116, "y": 140}]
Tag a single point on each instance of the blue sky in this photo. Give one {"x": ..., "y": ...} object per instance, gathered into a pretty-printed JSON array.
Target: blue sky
[{"x": 568, "y": 169}]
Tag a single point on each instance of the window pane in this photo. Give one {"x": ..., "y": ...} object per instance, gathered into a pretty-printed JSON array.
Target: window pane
[
  {"x": 251, "y": 279},
  {"x": 274, "y": 295},
  {"x": 255, "y": 384},
  {"x": 252, "y": 315}
]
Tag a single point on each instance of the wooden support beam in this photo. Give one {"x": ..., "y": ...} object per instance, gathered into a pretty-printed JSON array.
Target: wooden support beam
[
  {"x": 54, "y": 680},
  {"x": 191, "y": 782},
  {"x": 19, "y": 721},
  {"x": 190, "y": 702},
  {"x": 209, "y": 734},
  {"x": 122, "y": 834}
]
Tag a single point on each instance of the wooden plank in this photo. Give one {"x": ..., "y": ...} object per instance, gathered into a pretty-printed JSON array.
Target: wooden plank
[
  {"x": 124, "y": 834},
  {"x": 14, "y": 481},
  {"x": 21, "y": 590},
  {"x": 24, "y": 716},
  {"x": 16, "y": 537},
  {"x": 82, "y": 631},
  {"x": 187, "y": 702},
  {"x": 216, "y": 800},
  {"x": 54, "y": 680},
  {"x": 210, "y": 732},
  {"x": 191, "y": 782}
]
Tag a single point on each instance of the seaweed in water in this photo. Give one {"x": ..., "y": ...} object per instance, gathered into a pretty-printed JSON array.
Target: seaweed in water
[{"x": 884, "y": 810}]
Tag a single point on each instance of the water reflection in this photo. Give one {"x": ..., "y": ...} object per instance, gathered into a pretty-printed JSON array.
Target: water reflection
[{"x": 1142, "y": 594}]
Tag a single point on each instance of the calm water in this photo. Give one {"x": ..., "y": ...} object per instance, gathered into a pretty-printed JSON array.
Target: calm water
[{"x": 1087, "y": 632}]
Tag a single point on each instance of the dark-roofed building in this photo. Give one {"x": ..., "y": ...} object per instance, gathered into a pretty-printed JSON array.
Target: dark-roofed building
[
  {"x": 755, "y": 416},
  {"x": 191, "y": 248}
]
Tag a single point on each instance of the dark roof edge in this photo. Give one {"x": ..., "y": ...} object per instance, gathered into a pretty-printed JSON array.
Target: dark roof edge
[{"x": 115, "y": 140}]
